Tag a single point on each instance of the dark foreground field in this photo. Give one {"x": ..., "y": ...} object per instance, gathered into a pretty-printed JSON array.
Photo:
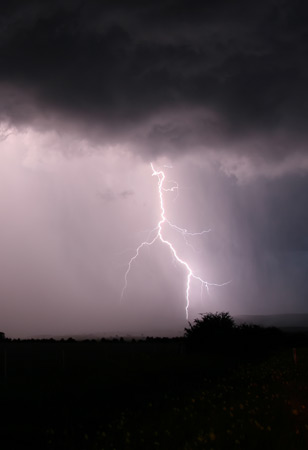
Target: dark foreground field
[{"x": 150, "y": 395}]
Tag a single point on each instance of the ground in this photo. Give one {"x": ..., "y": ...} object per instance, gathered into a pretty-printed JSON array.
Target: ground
[{"x": 150, "y": 395}]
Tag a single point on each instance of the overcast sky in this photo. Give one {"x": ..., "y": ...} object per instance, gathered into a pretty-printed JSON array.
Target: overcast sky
[{"x": 215, "y": 93}]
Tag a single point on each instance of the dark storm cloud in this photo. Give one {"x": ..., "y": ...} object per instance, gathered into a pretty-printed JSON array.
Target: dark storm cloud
[
  {"x": 127, "y": 193},
  {"x": 239, "y": 68},
  {"x": 108, "y": 195}
]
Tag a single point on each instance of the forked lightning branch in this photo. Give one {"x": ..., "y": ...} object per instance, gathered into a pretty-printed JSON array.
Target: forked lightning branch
[{"x": 164, "y": 221}]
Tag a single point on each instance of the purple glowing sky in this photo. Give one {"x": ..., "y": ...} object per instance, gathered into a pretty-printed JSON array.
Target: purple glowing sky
[{"x": 89, "y": 96}]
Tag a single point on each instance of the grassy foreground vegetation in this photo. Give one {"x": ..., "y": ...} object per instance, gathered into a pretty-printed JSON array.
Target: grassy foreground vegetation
[{"x": 156, "y": 393}]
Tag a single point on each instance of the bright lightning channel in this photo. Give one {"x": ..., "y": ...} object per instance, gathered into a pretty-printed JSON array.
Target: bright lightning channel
[{"x": 159, "y": 236}]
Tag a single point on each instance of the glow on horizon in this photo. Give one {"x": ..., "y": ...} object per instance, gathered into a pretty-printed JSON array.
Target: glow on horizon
[{"x": 159, "y": 236}]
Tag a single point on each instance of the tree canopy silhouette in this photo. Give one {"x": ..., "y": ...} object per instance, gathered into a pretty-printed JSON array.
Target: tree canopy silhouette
[
  {"x": 211, "y": 330},
  {"x": 219, "y": 332}
]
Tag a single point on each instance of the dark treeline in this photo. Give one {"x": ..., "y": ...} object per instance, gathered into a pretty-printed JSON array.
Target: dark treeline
[
  {"x": 95, "y": 394},
  {"x": 219, "y": 333},
  {"x": 211, "y": 333}
]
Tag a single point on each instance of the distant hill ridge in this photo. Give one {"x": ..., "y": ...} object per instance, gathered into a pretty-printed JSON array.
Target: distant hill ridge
[
  {"x": 275, "y": 320},
  {"x": 284, "y": 321}
]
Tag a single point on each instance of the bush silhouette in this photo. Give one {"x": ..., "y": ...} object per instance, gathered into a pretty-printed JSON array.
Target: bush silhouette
[
  {"x": 218, "y": 332},
  {"x": 213, "y": 330}
]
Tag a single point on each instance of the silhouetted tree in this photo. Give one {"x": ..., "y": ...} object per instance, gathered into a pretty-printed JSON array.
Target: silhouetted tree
[
  {"x": 211, "y": 331},
  {"x": 218, "y": 332}
]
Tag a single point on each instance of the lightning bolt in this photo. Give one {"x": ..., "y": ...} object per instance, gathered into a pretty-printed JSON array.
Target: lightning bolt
[{"x": 159, "y": 237}]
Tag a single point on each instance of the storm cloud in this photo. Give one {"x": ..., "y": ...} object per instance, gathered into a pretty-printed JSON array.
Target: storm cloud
[
  {"x": 170, "y": 73},
  {"x": 90, "y": 93}
]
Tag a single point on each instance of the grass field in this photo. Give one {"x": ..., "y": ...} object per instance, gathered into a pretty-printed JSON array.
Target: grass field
[{"x": 149, "y": 395}]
